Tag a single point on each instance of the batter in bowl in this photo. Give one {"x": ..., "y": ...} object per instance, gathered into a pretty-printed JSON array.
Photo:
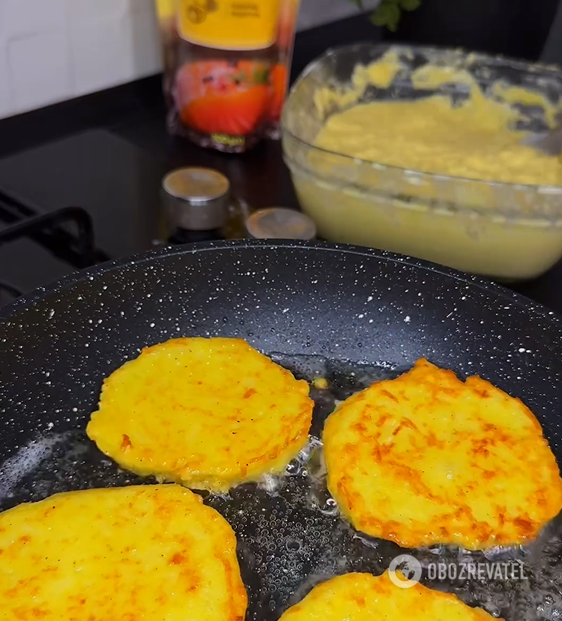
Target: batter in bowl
[
  {"x": 474, "y": 140},
  {"x": 429, "y": 163}
]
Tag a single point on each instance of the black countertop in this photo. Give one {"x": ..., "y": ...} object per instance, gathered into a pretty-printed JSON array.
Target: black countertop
[{"x": 135, "y": 112}]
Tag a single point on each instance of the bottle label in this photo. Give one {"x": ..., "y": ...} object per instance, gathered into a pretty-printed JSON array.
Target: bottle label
[
  {"x": 229, "y": 24},
  {"x": 224, "y": 98}
]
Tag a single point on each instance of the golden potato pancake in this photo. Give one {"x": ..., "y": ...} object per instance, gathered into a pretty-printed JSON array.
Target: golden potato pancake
[
  {"x": 362, "y": 597},
  {"x": 206, "y": 413},
  {"x": 148, "y": 552},
  {"x": 429, "y": 459}
]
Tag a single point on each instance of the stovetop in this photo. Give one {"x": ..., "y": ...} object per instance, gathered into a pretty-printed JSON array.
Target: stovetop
[
  {"x": 109, "y": 179},
  {"x": 115, "y": 182}
]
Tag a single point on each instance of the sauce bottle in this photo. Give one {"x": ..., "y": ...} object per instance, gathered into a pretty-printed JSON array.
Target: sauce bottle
[{"x": 221, "y": 86}]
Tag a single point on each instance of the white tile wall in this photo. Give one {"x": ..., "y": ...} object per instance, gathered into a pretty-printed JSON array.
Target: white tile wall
[
  {"x": 52, "y": 50},
  {"x": 317, "y": 12},
  {"x": 37, "y": 77}
]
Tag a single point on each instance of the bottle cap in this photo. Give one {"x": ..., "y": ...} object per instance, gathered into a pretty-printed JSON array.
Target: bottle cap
[
  {"x": 280, "y": 223},
  {"x": 196, "y": 199}
]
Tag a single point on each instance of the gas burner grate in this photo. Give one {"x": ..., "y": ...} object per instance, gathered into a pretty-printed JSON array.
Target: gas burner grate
[{"x": 67, "y": 233}]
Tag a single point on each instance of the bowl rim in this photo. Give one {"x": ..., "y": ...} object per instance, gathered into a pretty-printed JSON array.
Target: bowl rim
[{"x": 335, "y": 50}]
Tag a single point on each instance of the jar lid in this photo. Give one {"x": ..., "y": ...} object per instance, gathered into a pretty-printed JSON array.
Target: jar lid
[
  {"x": 196, "y": 198},
  {"x": 280, "y": 223}
]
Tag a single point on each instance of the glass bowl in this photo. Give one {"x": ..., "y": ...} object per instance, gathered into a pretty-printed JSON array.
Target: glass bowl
[{"x": 500, "y": 230}]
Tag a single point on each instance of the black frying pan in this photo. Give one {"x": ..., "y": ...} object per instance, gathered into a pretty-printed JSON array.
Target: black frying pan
[{"x": 347, "y": 313}]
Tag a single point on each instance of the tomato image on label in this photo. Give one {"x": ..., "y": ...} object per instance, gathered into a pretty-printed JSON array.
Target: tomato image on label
[
  {"x": 224, "y": 97},
  {"x": 279, "y": 76}
]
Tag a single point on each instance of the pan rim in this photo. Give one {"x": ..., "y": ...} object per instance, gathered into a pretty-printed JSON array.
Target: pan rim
[{"x": 478, "y": 282}]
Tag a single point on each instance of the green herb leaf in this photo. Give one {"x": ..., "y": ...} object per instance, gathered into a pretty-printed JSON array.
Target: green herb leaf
[
  {"x": 409, "y": 5},
  {"x": 387, "y": 14},
  {"x": 358, "y": 4},
  {"x": 261, "y": 75}
]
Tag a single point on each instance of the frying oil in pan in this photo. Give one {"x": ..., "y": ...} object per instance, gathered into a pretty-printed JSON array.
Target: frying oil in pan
[{"x": 290, "y": 534}]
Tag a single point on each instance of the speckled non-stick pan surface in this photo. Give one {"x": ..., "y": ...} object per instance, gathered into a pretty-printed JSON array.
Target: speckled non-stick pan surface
[{"x": 349, "y": 314}]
